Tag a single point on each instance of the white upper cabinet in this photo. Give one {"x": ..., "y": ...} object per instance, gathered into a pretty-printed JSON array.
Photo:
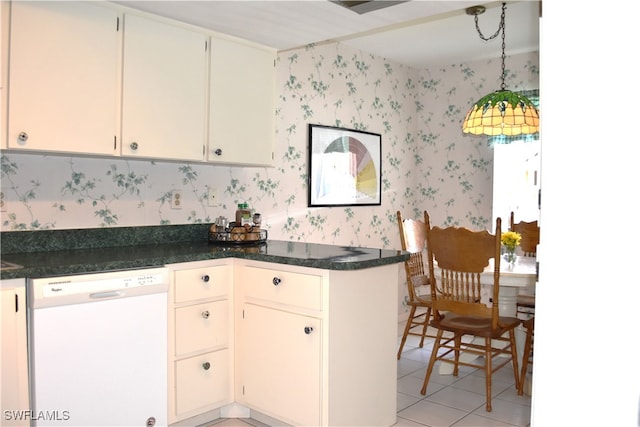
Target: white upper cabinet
[
  {"x": 96, "y": 79},
  {"x": 164, "y": 91},
  {"x": 63, "y": 77},
  {"x": 242, "y": 105}
]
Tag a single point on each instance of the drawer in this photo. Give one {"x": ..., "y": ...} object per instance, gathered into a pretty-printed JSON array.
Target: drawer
[
  {"x": 202, "y": 381},
  {"x": 202, "y": 283},
  {"x": 202, "y": 326},
  {"x": 284, "y": 287}
]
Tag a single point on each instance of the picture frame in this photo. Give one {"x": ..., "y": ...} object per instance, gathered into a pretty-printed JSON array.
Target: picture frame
[{"x": 344, "y": 167}]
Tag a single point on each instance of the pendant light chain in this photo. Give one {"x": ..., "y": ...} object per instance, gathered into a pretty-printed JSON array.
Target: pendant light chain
[
  {"x": 501, "y": 27},
  {"x": 503, "y": 86}
]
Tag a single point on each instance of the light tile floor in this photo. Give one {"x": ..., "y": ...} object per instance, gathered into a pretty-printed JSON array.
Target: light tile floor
[
  {"x": 450, "y": 401},
  {"x": 455, "y": 401}
]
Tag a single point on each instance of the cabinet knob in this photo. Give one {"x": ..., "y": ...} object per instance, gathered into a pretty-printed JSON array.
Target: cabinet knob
[
  {"x": 218, "y": 152},
  {"x": 276, "y": 281},
  {"x": 205, "y": 314},
  {"x": 308, "y": 329},
  {"x": 23, "y": 136},
  {"x": 205, "y": 278},
  {"x": 133, "y": 146},
  {"x": 206, "y": 366}
]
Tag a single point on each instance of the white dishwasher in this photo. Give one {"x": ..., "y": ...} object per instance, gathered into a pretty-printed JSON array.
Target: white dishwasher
[{"x": 98, "y": 349}]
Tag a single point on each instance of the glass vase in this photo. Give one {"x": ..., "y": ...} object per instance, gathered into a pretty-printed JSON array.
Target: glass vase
[{"x": 509, "y": 256}]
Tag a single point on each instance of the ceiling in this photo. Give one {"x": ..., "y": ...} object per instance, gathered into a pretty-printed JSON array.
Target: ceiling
[{"x": 417, "y": 33}]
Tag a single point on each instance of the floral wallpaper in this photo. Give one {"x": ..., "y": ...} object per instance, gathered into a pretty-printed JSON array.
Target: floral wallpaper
[{"x": 427, "y": 162}]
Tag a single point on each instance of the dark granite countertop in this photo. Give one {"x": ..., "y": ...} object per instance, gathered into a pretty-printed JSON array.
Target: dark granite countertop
[{"x": 54, "y": 253}]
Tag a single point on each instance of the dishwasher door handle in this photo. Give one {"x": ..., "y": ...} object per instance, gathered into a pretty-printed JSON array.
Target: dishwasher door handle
[{"x": 107, "y": 294}]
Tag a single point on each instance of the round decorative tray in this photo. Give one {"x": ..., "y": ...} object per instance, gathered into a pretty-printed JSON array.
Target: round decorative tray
[{"x": 238, "y": 236}]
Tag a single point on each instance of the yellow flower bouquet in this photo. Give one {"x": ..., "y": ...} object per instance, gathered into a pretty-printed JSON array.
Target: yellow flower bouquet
[{"x": 510, "y": 240}]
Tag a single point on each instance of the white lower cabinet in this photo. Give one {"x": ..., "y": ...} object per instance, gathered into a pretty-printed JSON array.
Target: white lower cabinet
[
  {"x": 316, "y": 347},
  {"x": 200, "y": 331},
  {"x": 281, "y": 362},
  {"x": 14, "y": 383},
  {"x": 299, "y": 345}
]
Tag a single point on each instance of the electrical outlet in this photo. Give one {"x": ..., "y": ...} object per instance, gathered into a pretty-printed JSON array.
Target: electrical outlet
[
  {"x": 212, "y": 197},
  {"x": 176, "y": 199}
]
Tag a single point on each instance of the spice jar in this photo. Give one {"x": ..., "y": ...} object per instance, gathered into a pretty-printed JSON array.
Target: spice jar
[{"x": 243, "y": 214}]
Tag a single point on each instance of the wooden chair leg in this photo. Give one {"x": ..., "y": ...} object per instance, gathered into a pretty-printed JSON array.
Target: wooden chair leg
[
  {"x": 525, "y": 360},
  {"x": 514, "y": 357},
  {"x": 457, "y": 342},
  {"x": 488, "y": 368},
  {"x": 406, "y": 330},
  {"x": 432, "y": 361},
  {"x": 426, "y": 324}
]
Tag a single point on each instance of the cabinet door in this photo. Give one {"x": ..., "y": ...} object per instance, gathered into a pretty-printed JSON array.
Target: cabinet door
[
  {"x": 14, "y": 383},
  {"x": 279, "y": 364},
  {"x": 242, "y": 115},
  {"x": 63, "y": 77},
  {"x": 164, "y": 90}
]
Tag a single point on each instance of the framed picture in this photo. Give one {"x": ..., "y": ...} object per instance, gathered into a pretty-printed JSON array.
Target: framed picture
[{"x": 344, "y": 167}]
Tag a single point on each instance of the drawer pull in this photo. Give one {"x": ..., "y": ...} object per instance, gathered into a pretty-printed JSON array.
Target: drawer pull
[
  {"x": 23, "y": 136},
  {"x": 206, "y": 366},
  {"x": 205, "y": 278},
  {"x": 133, "y": 146},
  {"x": 276, "y": 281},
  {"x": 205, "y": 314},
  {"x": 308, "y": 329}
]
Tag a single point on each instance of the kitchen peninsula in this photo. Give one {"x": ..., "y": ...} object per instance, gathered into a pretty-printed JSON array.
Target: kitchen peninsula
[{"x": 298, "y": 343}]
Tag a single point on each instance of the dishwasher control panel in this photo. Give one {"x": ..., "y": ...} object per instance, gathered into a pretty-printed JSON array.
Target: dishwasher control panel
[{"x": 97, "y": 286}]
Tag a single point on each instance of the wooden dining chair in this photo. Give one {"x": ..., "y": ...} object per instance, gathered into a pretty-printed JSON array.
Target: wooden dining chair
[
  {"x": 457, "y": 257},
  {"x": 527, "y": 355},
  {"x": 413, "y": 237},
  {"x": 530, "y": 232}
]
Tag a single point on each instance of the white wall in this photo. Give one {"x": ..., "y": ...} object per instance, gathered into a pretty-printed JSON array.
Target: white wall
[{"x": 587, "y": 326}]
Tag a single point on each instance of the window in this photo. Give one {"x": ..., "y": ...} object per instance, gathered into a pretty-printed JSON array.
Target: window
[{"x": 516, "y": 174}]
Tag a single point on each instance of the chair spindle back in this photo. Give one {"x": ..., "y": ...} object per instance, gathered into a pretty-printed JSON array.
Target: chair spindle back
[{"x": 457, "y": 257}]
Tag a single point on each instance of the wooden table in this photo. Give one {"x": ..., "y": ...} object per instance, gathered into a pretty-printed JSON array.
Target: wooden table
[{"x": 512, "y": 280}]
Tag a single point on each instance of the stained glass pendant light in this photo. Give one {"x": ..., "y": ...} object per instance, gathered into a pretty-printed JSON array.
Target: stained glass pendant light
[{"x": 502, "y": 112}]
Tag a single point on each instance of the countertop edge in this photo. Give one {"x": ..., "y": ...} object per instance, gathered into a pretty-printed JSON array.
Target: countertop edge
[{"x": 199, "y": 253}]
